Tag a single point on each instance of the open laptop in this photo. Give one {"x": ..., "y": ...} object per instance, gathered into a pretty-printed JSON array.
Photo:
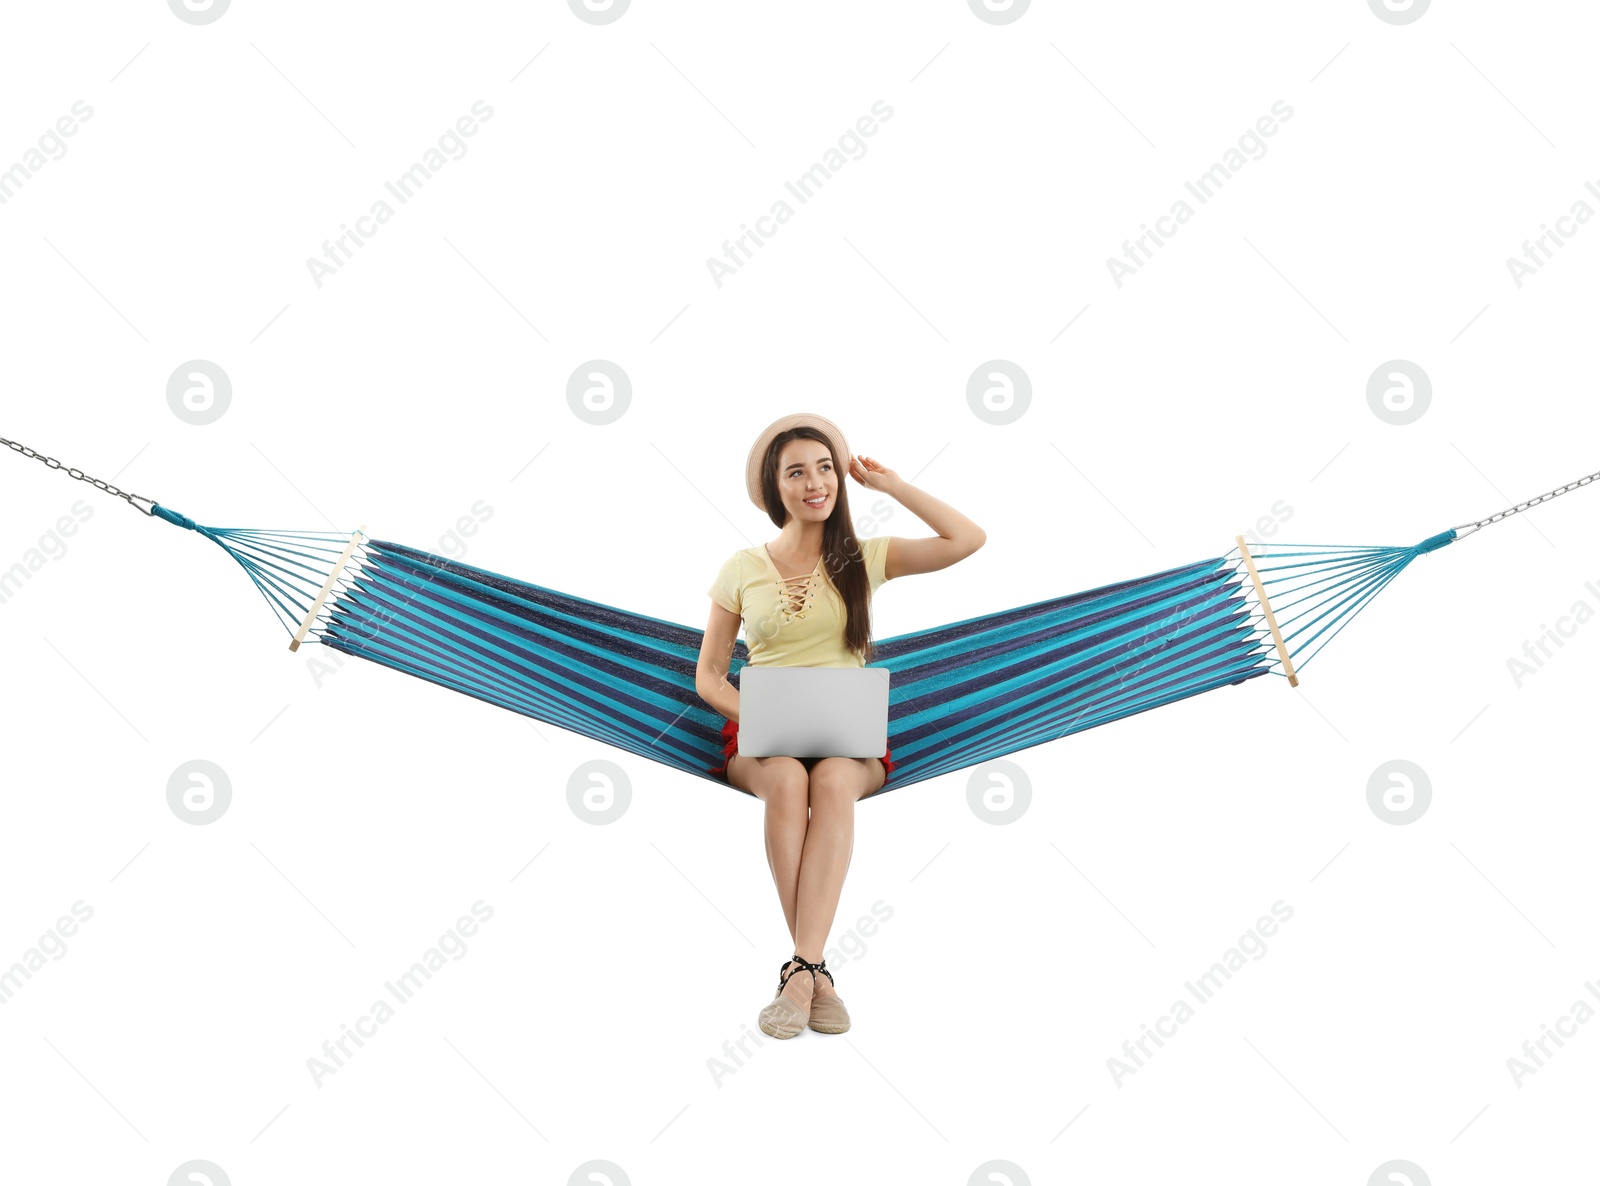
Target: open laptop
[{"x": 813, "y": 712}]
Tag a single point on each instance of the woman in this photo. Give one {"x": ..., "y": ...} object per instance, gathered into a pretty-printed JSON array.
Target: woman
[{"x": 804, "y": 601}]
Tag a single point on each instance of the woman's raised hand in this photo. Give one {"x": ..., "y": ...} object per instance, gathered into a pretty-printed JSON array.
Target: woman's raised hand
[{"x": 871, "y": 474}]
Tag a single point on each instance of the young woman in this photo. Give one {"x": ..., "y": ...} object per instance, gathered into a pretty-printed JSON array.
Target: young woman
[{"x": 804, "y": 601}]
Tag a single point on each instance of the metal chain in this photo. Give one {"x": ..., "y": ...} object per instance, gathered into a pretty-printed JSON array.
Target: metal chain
[
  {"x": 1532, "y": 502},
  {"x": 133, "y": 499}
]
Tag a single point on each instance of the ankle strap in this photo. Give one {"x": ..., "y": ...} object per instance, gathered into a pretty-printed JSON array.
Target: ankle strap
[{"x": 820, "y": 966}]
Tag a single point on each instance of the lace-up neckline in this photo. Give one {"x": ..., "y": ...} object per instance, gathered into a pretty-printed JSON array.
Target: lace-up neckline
[{"x": 794, "y": 593}]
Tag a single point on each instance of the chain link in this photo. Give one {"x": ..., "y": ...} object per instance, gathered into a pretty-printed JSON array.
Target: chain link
[
  {"x": 1532, "y": 502},
  {"x": 133, "y": 499}
]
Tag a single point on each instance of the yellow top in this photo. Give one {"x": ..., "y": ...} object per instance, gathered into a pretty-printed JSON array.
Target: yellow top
[{"x": 795, "y": 621}]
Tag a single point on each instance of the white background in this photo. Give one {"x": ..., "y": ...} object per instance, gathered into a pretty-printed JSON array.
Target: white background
[{"x": 1167, "y": 415}]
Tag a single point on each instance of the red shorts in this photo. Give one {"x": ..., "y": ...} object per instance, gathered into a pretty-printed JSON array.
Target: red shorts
[{"x": 730, "y": 746}]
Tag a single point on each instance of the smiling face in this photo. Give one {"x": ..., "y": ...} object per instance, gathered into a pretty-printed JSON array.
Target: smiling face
[{"x": 806, "y": 471}]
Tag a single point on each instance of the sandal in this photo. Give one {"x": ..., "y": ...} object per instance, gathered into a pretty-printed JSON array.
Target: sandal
[
  {"x": 828, "y": 1014},
  {"x": 781, "y": 1017}
]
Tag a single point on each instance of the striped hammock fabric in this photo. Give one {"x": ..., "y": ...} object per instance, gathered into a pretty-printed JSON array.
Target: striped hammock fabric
[{"x": 960, "y": 694}]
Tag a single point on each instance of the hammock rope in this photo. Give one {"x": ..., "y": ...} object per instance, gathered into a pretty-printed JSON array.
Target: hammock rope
[{"x": 960, "y": 694}]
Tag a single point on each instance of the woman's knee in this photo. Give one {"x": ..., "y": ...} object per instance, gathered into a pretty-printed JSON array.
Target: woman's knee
[
  {"x": 781, "y": 783},
  {"x": 835, "y": 782}
]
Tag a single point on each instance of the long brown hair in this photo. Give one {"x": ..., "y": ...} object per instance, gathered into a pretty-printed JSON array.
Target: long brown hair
[{"x": 842, "y": 555}]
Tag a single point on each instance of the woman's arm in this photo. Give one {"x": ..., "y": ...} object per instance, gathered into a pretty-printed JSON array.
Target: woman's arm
[
  {"x": 716, "y": 655},
  {"x": 958, "y": 538}
]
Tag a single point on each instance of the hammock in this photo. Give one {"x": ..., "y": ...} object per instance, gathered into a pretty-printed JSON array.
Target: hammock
[{"x": 959, "y": 694}]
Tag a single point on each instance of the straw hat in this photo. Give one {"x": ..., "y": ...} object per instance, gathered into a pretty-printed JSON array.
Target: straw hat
[{"x": 758, "y": 451}]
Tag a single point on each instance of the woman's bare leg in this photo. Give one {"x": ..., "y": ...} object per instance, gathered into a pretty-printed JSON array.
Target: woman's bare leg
[
  {"x": 835, "y": 786},
  {"x": 780, "y": 783}
]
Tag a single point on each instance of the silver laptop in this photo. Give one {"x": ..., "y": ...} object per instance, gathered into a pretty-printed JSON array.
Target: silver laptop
[{"x": 813, "y": 712}]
